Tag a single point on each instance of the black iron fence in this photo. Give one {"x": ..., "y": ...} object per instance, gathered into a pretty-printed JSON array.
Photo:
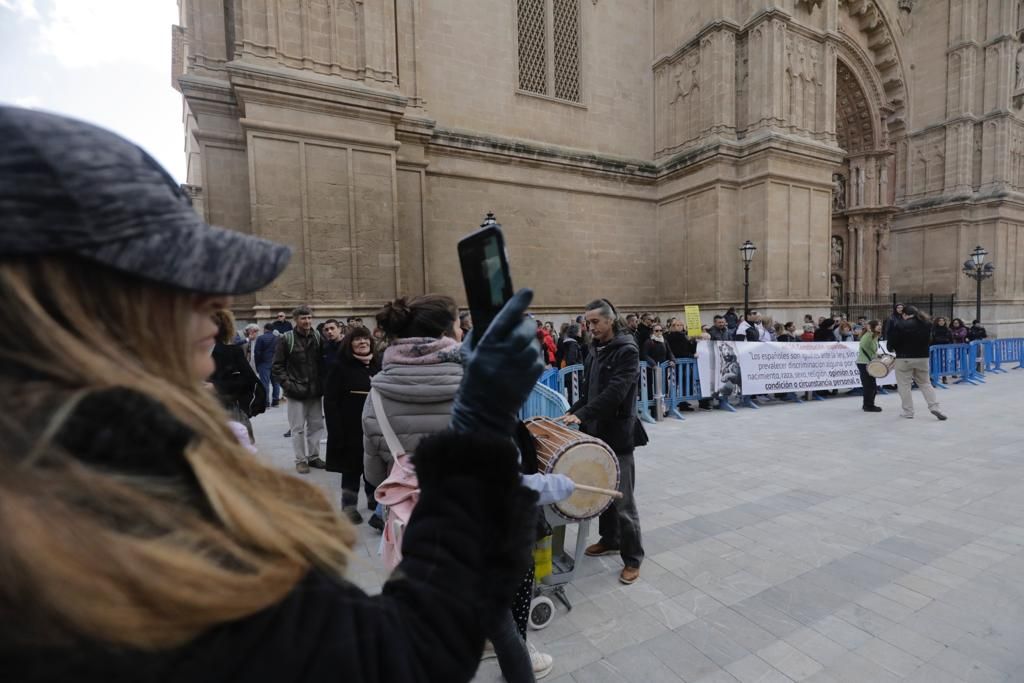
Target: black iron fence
[{"x": 879, "y": 307}]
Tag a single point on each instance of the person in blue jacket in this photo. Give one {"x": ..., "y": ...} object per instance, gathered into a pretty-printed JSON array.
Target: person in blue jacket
[{"x": 263, "y": 358}]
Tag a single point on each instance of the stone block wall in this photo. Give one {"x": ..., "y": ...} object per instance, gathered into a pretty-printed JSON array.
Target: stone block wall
[{"x": 371, "y": 135}]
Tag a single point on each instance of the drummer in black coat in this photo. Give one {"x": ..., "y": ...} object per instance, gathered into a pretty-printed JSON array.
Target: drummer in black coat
[
  {"x": 607, "y": 410},
  {"x": 345, "y": 392}
]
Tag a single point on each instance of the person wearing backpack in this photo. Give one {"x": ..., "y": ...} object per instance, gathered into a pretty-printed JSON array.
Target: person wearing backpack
[
  {"x": 420, "y": 373},
  {"x": 413, "y": 396},
  {"x": 234, "y": 381},
  {"x": 298, "y": 368}
]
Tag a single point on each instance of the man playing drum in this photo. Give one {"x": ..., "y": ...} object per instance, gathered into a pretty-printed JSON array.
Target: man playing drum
[{"x": 607, "y": 409}]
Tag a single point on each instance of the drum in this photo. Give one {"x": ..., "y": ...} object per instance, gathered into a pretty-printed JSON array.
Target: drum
[
  {"x": 583, "y": 459},
  {"x": 881, "y": 366}
]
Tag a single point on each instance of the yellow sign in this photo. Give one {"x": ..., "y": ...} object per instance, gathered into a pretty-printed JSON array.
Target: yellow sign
[{"x": 693, "y": 320}]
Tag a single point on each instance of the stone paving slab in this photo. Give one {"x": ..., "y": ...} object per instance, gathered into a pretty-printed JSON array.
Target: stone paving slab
[{"x": 810, "y": 542}]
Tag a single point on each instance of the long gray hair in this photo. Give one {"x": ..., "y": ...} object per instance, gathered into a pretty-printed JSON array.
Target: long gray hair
[{"x": 605, "y": 309}]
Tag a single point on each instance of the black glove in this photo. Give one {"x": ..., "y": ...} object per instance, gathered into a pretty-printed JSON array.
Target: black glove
[{"x": 501, "y": 370}]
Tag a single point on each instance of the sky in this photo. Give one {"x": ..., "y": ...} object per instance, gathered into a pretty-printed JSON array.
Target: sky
[{"x": 104, "y": 61}]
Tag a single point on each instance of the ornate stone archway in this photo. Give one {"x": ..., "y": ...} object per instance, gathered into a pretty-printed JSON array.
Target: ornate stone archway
[{"x": 870, "y": 115}]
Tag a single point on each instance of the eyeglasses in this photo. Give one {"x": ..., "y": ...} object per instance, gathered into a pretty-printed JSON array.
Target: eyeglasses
[{"x": 657, "y": 329}]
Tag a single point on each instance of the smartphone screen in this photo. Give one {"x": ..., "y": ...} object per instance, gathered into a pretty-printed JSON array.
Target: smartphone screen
[{"x": 485, "y": 274}]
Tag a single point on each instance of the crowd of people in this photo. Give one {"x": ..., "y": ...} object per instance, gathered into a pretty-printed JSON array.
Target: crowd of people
[{"x": 143, "y": 539}]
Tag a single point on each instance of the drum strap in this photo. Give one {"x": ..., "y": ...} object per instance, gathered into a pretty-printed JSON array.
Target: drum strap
[{"x": 394, "y": 445}]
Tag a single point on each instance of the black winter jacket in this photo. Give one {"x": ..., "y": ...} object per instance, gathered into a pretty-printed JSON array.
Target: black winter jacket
[
  {"x": 656, "y": 353},
  {"x": 569, "y": 352},
  {"x": 642, "y": 334},
  {"x": 681, "y": 345},
  {"x": 824, "y": 333},
  {"x": 465, "y": 551},
  {"x": 298, "y": 365},
  {"x": 607, "y": 409},
  {"x": 345, "y": 393},
  {"x": 941, "y": 335},
  {"x": 233, "y": 378},
  {"x": 910, "y": 338}
]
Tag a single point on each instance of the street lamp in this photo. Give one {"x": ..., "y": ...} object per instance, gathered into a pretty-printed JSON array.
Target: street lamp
[
  {"x": 976, "y": 269},
  {"x": 747, "y": 252}
]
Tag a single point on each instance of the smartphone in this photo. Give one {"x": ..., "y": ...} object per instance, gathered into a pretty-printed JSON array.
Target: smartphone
[{"x": 485, "y": 274}]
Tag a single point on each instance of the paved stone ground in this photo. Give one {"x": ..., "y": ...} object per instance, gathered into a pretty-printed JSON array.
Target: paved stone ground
[{"x": 808, "y": 542}]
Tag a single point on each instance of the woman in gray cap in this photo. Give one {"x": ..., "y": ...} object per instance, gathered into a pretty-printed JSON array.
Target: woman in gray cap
[{"x": 140, "y": 540}]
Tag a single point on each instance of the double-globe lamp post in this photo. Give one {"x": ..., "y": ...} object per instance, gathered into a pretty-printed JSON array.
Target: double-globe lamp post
[
  {"x": 976, "y": 269},
  {"x": 747, "y": 252}
]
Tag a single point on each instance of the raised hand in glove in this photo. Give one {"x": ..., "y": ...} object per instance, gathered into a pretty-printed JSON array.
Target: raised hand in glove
[{"x": 501, "y": 369}]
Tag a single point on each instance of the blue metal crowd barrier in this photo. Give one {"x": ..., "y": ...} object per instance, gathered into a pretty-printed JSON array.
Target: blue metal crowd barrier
[
  {"x": 681, "y": 383},
  {"x": 549, "y": 378},
  {"x": 953, "y": 360},
  {"x": 557, "y": 390},
  {"x": 984, "y": 352},
  {"x": 644, "y": 400},
  {"x": 544, "y": 402},
  {"x": 570, "y": 382},
  {"x": 1008, "y": 351}
]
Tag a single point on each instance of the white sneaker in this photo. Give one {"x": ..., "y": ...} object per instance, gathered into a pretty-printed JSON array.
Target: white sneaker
[{"x": 542, "y": 663}]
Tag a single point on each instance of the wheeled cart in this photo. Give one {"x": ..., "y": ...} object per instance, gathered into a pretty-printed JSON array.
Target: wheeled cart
[{"x": 542, "y": 608}]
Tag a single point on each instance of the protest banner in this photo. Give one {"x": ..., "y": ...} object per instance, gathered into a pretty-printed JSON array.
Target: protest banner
[
  {"x": 778, "y": 367},
  {"x": 752, "y": 368}
]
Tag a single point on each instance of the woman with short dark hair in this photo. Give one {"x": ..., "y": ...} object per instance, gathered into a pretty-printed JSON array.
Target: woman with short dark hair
[{"x": 345, "y": 391}]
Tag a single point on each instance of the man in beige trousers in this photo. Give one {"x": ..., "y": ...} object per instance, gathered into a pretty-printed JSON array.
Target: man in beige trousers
[{"x": 909, "y": 340}]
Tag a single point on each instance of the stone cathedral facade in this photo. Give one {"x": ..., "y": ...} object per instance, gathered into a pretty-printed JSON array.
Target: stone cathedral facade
[{"x": 628, "y": 146}]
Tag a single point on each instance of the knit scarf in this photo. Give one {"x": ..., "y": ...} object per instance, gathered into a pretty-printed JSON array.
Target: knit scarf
[
  {"x": 365, "y": 360},
  {"x": 422, "y": 351}
]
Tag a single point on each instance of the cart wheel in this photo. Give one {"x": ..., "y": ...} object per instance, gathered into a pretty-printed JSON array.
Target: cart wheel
[{"x": 542, "y": 611}]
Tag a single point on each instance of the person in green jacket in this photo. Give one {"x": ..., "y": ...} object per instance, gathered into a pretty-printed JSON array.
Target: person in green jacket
[{"x": 866, "y": 354}]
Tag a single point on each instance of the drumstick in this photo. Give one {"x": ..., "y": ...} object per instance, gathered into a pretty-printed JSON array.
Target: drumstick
[{"x": 597, "y": 489}]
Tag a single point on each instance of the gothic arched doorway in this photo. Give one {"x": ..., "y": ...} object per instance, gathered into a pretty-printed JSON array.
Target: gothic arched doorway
[{"x": 863, "y": 195}]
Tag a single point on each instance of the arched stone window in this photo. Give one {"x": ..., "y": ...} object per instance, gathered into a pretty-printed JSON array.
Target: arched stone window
[{"x": 549, "y": 48}]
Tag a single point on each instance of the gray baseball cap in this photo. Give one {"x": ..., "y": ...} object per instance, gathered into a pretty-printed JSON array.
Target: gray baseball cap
[{"x": 71, "y": 187}]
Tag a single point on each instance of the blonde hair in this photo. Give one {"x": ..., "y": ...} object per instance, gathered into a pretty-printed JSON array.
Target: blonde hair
[{"x": 119, "y": 557}]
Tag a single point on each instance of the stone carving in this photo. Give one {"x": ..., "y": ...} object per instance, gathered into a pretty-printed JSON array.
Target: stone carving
[
  {"x": 920, "y": 170},
  {"x": 883, "y": 183},
  {"x": 1016, "y": 157},
  {"x": 804, "y": 83},
  {"x": 882, "y": 239},
  {"x": 684, "y": 116},
  {"x": 904, "y": 19},
  {"x": 837, "y": 253},
  {"x": 837, "y": 288},
  {"x": 838, "y": 192},
  {"x": 1020, "y": 69},
  {"x": 857, "y": 192}
]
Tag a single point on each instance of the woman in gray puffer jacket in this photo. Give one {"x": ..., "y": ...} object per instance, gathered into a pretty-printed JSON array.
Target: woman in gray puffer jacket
[{"x": 421, "y": 372}]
